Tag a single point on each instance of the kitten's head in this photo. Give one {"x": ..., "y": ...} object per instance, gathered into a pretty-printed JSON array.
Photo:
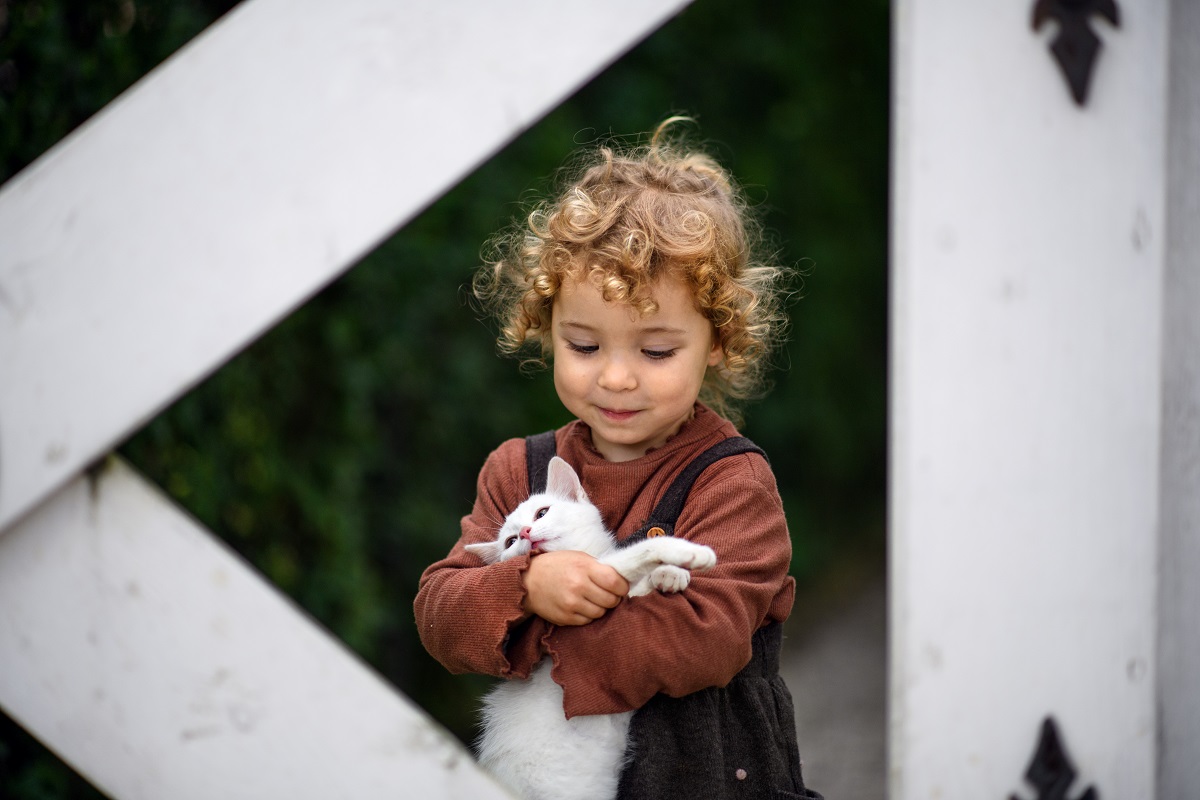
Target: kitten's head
[{"x": 560, "y": 518}]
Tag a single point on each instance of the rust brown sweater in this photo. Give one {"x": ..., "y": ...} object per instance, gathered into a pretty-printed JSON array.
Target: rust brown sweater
[{"x": 469, "y": 615}]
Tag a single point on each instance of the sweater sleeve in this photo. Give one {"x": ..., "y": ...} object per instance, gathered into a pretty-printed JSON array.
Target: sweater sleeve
[
  {"x": 682, "y": 643},
  {"x": 469, "y": 615}
]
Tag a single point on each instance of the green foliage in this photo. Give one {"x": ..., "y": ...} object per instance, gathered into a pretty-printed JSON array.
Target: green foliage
[
  {"x": 28, "y": 772},
  {"x": 338, "y": 452},
  {"x": 61, "y": 61}
]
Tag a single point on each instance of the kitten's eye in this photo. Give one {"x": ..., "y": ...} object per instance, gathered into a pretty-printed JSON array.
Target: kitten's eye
[
  {"x": 541, "y": 512},
  {"x": 510, "y": 541}
]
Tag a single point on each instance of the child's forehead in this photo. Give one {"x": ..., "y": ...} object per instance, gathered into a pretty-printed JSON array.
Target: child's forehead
[{"x": 580, "y": 302}]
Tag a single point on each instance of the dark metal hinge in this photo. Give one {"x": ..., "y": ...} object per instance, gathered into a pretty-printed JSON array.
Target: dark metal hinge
[
  {"x": 1075, "y": 46},
  {"x": 1051, "y": 771}
]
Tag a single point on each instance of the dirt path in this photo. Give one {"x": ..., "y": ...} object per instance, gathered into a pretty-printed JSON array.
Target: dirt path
[{"x": 836, "y": 668}]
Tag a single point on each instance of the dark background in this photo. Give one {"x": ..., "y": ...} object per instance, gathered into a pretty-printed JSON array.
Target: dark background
[{"x": 338, "y": 452}]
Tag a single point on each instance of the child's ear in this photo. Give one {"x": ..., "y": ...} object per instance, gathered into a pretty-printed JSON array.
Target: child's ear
[
  {"x": 561, "y": 481},
  {"x": 717, "y": 354}
]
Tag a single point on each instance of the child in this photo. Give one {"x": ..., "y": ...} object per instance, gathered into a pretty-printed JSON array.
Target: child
[{"x": 638, "y": 285}]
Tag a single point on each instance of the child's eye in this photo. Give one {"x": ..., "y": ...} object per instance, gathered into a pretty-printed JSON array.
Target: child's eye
[
  {"x": 583, "y": 348},
  {"x": 541, "y": 512},
  {"x": 658, "y": 354},
  {"x": 510, "y": 541}
]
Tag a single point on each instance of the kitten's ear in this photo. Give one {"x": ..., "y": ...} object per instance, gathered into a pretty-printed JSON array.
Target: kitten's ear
[
  {"x": 488, "y": 551},
  {"x": 562, "y": 481}
]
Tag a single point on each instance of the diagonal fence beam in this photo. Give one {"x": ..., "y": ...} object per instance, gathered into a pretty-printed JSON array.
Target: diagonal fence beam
[
  {"x": 159, "y": 665},
  {"x": 240, "y": 177}
]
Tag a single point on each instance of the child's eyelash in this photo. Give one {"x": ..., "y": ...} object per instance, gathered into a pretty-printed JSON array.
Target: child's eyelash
[{"x": 587, "y": 349}]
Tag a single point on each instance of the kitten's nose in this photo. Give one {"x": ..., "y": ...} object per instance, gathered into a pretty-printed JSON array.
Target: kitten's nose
[{"x": 525, "y": 532}]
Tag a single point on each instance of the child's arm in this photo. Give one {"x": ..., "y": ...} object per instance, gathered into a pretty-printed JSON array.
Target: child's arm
[
  {"x": 471, "y": 616},
  {"x": 679, "y": 644}
]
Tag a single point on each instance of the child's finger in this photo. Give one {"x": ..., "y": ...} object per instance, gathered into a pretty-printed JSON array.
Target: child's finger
[
  {"x": 610, "y": 581},
  {"x": 602, "y": 599},
  {"x": 581, "y": 612}
]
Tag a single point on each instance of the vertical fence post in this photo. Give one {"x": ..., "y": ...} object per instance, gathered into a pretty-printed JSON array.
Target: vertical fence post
[{"x": 1029, "y": 273}]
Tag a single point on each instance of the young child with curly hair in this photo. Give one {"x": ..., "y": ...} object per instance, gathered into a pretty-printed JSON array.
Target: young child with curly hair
[{"x": 642, "y": 286}]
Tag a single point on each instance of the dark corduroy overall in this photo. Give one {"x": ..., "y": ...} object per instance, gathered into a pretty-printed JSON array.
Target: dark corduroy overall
[{"x": 736, "y": 741}]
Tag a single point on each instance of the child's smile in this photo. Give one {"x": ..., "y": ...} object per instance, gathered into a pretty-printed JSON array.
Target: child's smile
[{"x": 634, "y": 380}]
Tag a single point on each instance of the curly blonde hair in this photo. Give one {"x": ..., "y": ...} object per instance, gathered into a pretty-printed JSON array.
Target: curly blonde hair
[{"x": 625, "y": 218}]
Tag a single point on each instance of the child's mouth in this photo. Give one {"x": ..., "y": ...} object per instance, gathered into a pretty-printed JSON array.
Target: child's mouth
[{"x": 617, "y": 416}]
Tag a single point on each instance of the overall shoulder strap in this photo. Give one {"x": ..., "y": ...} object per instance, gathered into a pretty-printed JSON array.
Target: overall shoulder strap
[
  {"x": 662, "y": 520},
  {"x": 539, "y": 449}
]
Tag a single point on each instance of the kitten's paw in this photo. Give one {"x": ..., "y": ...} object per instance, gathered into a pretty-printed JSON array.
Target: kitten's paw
[
  {"x": 670, "y": 579},
  {"x": 700, "y": 558}
]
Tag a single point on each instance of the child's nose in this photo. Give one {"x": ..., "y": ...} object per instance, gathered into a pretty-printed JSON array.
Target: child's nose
[{"x": 617, "y": 376}]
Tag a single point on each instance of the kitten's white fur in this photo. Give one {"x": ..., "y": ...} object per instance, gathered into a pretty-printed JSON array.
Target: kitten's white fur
[{"x": 527, "y": 741}]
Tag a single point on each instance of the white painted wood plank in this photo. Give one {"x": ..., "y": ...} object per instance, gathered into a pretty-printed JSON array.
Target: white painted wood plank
[
  {"x": 240, "y": 177},
  {"x": 159, "y": 664},
  {"x": 1179, "y": 591},
  {"x": 1026, "y": 405}
]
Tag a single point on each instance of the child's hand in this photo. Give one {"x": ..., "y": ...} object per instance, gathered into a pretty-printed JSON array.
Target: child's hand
[{"x": 567, "y": 587}]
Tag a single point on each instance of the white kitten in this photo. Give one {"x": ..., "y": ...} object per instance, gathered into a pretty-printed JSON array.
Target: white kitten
[{"x": 527, "y": 742}]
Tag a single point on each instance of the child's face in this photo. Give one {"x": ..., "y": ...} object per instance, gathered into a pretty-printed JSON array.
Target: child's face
[{"x": 632, "y": 379}]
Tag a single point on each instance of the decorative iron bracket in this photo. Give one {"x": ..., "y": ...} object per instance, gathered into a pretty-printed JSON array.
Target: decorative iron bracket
[
  {"x": 1076, "y": 46},
  {"x": 1051, "y": 771}
]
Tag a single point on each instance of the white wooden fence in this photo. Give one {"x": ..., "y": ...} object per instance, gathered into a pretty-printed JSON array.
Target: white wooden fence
[
  {"x": 139, "y": 254},
  {"x": 1046, "y": 442}
]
